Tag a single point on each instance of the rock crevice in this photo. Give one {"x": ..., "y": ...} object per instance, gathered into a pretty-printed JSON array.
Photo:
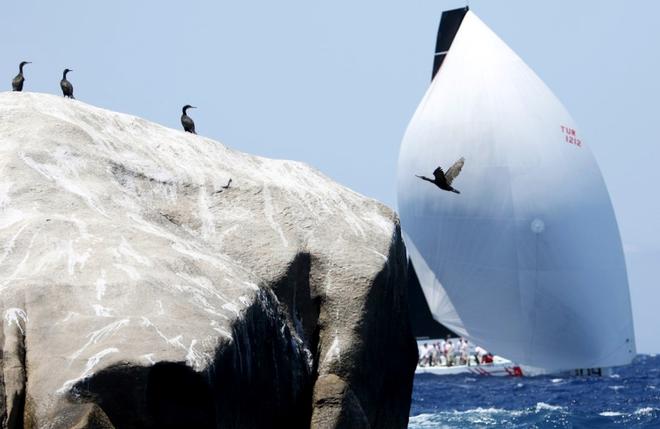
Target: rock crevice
[{"x": 14, "y": 370}]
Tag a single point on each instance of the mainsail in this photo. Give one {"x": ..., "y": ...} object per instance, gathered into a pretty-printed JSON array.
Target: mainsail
[{"x": 527, "y": 260}]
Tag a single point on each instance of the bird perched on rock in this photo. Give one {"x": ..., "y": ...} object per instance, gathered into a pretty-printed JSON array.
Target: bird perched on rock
[
  {"x": 443, "y": 180},
  {"x": 186, "y": 121},
  {"x": 17, "y": 82},
  {"x": 67, "y": 88}
]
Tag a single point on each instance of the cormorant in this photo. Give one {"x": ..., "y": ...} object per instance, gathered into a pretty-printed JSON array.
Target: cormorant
[
  {"x": 17, "y": 82},
  {"x": 224, "y": 187},
  {"x": 67, "y": 88},
  {"x": 186, "y": 121},
  {"x": 443, "y": 180}
]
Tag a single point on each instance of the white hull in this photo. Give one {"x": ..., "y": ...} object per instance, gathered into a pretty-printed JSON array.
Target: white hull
[
  {"x": 502, "y": 369},
  {"x": 509, "y": 369}
]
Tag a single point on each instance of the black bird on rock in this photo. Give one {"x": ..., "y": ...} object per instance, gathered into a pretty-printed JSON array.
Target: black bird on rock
[
  {"x": 443, "y": 180},
  {"x": 67, "y": 88},
  {"x": 186, "y": 121},
  {"x": 17, "y": 82}
]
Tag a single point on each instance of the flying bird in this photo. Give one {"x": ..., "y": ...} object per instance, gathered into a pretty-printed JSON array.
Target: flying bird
[
  {"x": 186, "y": 121},
  {"x": 67, "y": 88},
  {"x": 444, "y": 180},
  {"x": 17, "y": 82}
]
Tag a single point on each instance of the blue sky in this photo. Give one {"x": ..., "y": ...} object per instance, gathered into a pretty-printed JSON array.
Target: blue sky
[{"x": 334, "y": 84}]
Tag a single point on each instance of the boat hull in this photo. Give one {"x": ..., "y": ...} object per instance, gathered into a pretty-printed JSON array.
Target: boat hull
[{"x": 496, "y": 369}]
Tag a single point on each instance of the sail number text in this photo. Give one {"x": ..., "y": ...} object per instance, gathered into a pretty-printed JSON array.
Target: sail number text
[{"x": 571, "y": 136}]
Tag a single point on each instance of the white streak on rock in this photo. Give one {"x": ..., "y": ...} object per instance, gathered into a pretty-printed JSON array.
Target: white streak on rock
[
  {"x": 125, "y": 249},
  {"x": 174, "y": 341},
  {"x": 18, "y": 269},
  {"x": 4, "y": 194},
  {"x": 187, "y": 250},
  {"x": 102, "y": 311},
  {"x": 82, "y": 226},
  {"x": 205, "y": 215},
  {"x": 70, "y": 315},
  {"x": 10, "y": 217},
  {"x": 231, "y": 307},
  {"x": 150, "y": 228},
  {"x": 327, "y": 284},
  {"x": 353, "y": 222},
  {"x": 220, "y": 330},
  {"x": 100, "y": 286},
  {"x": 194, "y": 358},
  {"x": 221, "y": 237},
  {"x": 73, "y": 258},
  {"x": 8, "y": 247},
  {"x": 375, "y": 252},
  {"x": 132, "y": 273},
  {"x": 251, "y": 285},
  {"x": 204, "y": 283},
  {"x": 379, "y": 221},
  {"x": 161, "y": 310},
  {"x": 100, "y": 334},
  {"x": 333, "y": 353},
  {"x": 16, "y": 316},
  {"x": 91, "y": 363},
  {"x": 268, "y": 210},
  {"x": 57, "y": 174}
]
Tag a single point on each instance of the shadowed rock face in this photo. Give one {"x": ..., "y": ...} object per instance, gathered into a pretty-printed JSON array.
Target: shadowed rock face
[{"x": 138, "y": 292}]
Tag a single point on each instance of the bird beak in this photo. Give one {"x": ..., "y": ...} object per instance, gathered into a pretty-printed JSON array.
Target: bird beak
[{"x": 193, "y": 107}]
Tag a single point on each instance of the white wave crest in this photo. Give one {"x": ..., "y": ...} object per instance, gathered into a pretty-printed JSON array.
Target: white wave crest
[
  {"x": 488, "y": 416},
  {"x": 423, "y": 421},
  {"x": 542, "y": 406},
  {"x": 610, "y": 414}
]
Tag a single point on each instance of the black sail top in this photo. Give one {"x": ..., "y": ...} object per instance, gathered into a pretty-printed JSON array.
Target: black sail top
[{"x": 450, "y": 22}]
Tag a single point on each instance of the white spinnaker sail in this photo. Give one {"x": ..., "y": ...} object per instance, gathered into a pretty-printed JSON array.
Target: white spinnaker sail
[{"x": 527, "y": 260}]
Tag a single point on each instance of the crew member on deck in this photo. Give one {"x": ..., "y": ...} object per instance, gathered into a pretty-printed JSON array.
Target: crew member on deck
[{"x": 449, "y": 352}]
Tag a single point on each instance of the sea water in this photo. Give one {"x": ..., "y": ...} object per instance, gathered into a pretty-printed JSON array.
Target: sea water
[{"x": 629, "y": 398}]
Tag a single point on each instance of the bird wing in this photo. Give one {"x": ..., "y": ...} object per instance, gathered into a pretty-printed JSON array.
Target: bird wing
[
  {"x": 188, "y": 123},
  {"x": 17, "y": 82},
  {"x": 66, "y": 86},
  {"x": 454, "y": 170},
  {"x": 439, "y": 176}
]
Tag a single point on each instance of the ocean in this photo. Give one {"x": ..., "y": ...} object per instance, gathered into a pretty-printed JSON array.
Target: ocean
[{"x": 629, "y": 398}]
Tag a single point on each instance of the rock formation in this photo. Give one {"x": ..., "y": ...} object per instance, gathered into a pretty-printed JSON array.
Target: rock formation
[{"x": 139, "y": 292}]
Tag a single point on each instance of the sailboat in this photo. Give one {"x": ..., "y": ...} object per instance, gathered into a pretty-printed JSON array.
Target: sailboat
[{"x": 505, "y": 213}]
